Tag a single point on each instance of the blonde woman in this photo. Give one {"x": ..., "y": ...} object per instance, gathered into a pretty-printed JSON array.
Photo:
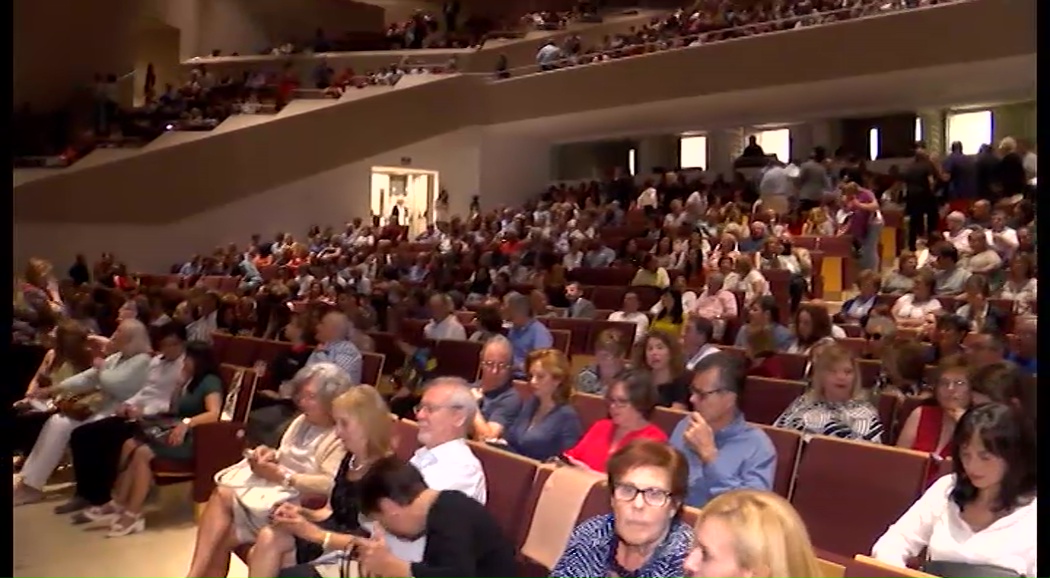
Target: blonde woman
[
  {"x": 547, "y": 425},
  {"x": 298, "y": 536},
  {"x": 751, "y": 533},
  {"x": 115, "y": 378},
  {"x": 835, "y": 405}
]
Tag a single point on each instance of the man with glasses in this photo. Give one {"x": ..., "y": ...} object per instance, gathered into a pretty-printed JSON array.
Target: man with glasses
[
  {"x": 724, "y": 451},
  {"x": 498, "y": 402}
]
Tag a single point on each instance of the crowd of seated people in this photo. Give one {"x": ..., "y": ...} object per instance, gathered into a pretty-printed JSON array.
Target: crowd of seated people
[
  {"x": 330, "y": 436},
  {"x": 708, "y": 21}
]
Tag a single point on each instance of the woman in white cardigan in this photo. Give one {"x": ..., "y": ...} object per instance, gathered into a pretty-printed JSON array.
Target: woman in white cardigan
[
  {"x": 980, "y": 520},
  {"x": 117, "y": 377},
  {"x": 304, "y": 464}
]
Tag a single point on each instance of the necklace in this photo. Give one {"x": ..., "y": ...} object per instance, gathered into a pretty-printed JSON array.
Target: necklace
[{"x": 353, "y": 466}]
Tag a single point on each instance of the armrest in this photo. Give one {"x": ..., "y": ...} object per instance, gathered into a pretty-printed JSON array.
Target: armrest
[{"x": 216, "y": 446}]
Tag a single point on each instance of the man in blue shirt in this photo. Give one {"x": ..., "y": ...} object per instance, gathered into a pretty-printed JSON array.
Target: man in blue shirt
[
  {"x": 1025, "y": 350},
  {"x": 498, "y": 402},
  {"x": 724, "y": 451},
  {"x": 526, "y": 334}
]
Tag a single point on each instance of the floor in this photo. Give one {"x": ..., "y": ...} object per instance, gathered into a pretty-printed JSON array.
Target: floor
[{"x": 164, "y": 549}]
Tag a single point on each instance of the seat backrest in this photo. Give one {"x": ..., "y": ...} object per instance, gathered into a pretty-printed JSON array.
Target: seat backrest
[
  {"x": 220, "y": 342},
  {"x": 386, "y": 343},
  {"x": 848, "y": 492},
  {"x": 887, "y": 405},
  {"x": 406, "y": 434},
  {"x": 371, "y": 367},
  {"x": 865, "y": 567},
  {"x": 794, "y": 364},
  {"x": 458, "y": 358},
  {"x": 508, "y": 478},
  {"x": 667, "y": 419},
  {"x": 558, "y": 509},
  {"x": 626, "y": 331},
  {"x": 591, "y": 408},
  {"x": 242, "y": 351},
  {"x": 411, "y": 330},
  {"x": 788, "y": 444},
  {"x": 562, "y": 340},
  {"x": 830, "y": 569},
  {"x": 579, "y": 331},
  {"x": 690, "y": 516},
  {"x": 764, "y": 399}
]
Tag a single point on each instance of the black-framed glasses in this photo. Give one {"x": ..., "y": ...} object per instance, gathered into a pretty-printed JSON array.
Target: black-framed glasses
[
  {"x": 618, "y": 401},
  {"x": 872, "y": 336},
  {"x": 655, "y": 497},
  {"x": 702, "y": 395}
]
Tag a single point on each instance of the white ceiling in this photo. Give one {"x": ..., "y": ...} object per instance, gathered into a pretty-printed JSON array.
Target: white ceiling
[{"x": 966, "y": 85}]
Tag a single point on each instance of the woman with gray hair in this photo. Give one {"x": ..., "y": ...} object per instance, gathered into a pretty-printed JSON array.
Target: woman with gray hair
[
  {"x": 304, "y": 464},
  {"x": 88, "y": 396}
]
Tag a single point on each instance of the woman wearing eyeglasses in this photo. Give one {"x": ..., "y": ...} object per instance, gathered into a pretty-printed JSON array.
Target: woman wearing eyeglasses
[
  {"x": 929, "y": 427},
  {"x": 643, "y": 537},
  {"x": 632, "y": 400}
]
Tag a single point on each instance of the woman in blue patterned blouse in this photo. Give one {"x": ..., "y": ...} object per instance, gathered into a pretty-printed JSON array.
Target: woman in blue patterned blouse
[{"x": 643, "y": 537}]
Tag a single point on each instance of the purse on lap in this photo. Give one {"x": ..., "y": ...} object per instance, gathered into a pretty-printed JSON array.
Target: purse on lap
[{"x": 255, "y": 497}]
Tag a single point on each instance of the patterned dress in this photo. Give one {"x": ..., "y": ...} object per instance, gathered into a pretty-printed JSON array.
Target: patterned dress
[
  {"x": 852, "y": 420},
  {"x": 591, "y": 551}
]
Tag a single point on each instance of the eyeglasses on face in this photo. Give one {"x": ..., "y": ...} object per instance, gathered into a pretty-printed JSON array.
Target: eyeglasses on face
[
  {"x": 655, "y": 497},
  {"x": 618, "y": 401},
  {"x": 953, "y": 383},
  {"x": 495, "y": 365},
  {"x": 432, "y": 408},
  {"x": 702, "y": 395}
]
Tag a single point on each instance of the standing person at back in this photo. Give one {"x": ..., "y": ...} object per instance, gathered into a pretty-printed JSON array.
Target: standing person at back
[
  {"x": 921, "y": 179},
  {"x": 812, "y": 180}
]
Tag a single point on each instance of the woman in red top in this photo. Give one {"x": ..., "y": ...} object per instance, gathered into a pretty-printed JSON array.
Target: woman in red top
[
  {"x": 929, "y": 426},
  {"x": 632, "y": 399}
]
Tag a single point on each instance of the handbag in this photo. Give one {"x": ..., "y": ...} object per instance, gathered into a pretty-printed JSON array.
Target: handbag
[
  {"x": 80, "y": 406},
  {"x": 156, "y": 428},
  {"x": 255, "y": 498},
  {"x": 967, "y": 570}
]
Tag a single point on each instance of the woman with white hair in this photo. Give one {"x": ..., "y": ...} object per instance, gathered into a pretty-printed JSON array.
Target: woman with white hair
[
  {"x": 87, "y": 396},
  {"x": 304, "y": 464}
]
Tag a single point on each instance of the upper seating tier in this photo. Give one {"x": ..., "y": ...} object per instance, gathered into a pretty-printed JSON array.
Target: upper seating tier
[{"x": 228, "y": 165}]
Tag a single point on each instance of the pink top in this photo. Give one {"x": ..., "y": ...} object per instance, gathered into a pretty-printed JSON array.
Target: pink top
[{"x": 721, "y": 305}]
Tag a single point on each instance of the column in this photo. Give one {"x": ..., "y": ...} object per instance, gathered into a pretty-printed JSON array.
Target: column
[
  {"x": 723, "y": 147},
  {"x": 656, "y": 151},
  {"x": 934, "y": 130}
]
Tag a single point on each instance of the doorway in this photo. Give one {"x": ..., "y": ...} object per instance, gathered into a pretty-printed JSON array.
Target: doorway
[{"x": 410, "y": 191}]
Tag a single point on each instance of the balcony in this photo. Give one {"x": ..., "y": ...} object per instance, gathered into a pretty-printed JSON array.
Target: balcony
[{"x": 232, "y": 163}]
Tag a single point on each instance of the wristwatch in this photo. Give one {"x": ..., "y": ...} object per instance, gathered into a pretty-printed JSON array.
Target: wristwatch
[
  {"x": 287, "y": 479},
  {"x": 185, "y": 421}
]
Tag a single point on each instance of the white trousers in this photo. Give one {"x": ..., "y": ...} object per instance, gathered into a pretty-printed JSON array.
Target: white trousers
[{"x": 49, "y": 449}]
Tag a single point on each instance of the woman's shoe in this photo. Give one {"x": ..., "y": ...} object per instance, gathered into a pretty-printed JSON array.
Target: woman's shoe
[
  {"x": 104, "y": 513},
  {"x": 127, "y": 524}
]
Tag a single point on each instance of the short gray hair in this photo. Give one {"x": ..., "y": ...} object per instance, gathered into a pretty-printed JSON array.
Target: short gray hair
[
  {"x": 460, "y": 396},
  {"x": 330, "y": 379},
  {"x": 498, "y": 341},
  {"x": 344, "y": 320},
  {"x": 518, "y": 302}
]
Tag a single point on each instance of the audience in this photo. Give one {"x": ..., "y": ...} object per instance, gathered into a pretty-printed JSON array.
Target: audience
[
  {"x": 498, "y": 402},
  {"x": 981, "y": 519},
  {"x": 660, "y": 353},
  {"x": 168, "y": 437},
  {"x": 547, "y": 425},
  {"x": 88, "y": 396},
  {"x": 929, "y": 427},
  {"x": 304, "y": 463},
  {"x": 631, "y": 400},
  {"x": 609, "y": 362},
  {"x": 723, "y": 451},
  {"x": 751, "y": 533},
  {"x": 644, "y": 535},
  {"x": 363, "y": 425},
  {"x": 836, "y": 404}
]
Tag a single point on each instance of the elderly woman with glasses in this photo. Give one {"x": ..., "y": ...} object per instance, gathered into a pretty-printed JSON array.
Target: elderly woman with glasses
[
  {"x": 305, "y": 463},
  {"x": 632, "y": 400},
  {"x": 929, "y": 427},
  {"x": 643, "y": 536}
]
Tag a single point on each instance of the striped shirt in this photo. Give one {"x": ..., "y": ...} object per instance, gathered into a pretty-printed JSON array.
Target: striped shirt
[
  {"x": 342, "y": 353},
  {"x": 853, "y": 420}
]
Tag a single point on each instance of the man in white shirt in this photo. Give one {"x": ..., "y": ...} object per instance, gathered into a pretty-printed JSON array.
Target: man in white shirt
[
  {"x": 443, "y": 324},
  {"x": 207, "y": 321},
  {"x": 96, "y": 446},
  {"x": 631, "y": 314},
  {"x": 446, "y": 461},
  {"x": 775, "y": 188}
]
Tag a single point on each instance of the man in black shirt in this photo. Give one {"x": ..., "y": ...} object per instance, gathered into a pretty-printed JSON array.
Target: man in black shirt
[
  {"x": 920, "y": 177},
  {"x": 462, "y": 538}
]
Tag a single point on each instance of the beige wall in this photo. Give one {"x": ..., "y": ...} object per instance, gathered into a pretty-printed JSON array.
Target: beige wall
[{"x": 1016, "y": 120}]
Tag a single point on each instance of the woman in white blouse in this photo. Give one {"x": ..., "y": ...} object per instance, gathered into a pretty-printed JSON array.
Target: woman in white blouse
[
  {"x": 1020, "y": 283},
  {"x": 915, "y": 310},
  {"x": 980, "y": 520}
]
